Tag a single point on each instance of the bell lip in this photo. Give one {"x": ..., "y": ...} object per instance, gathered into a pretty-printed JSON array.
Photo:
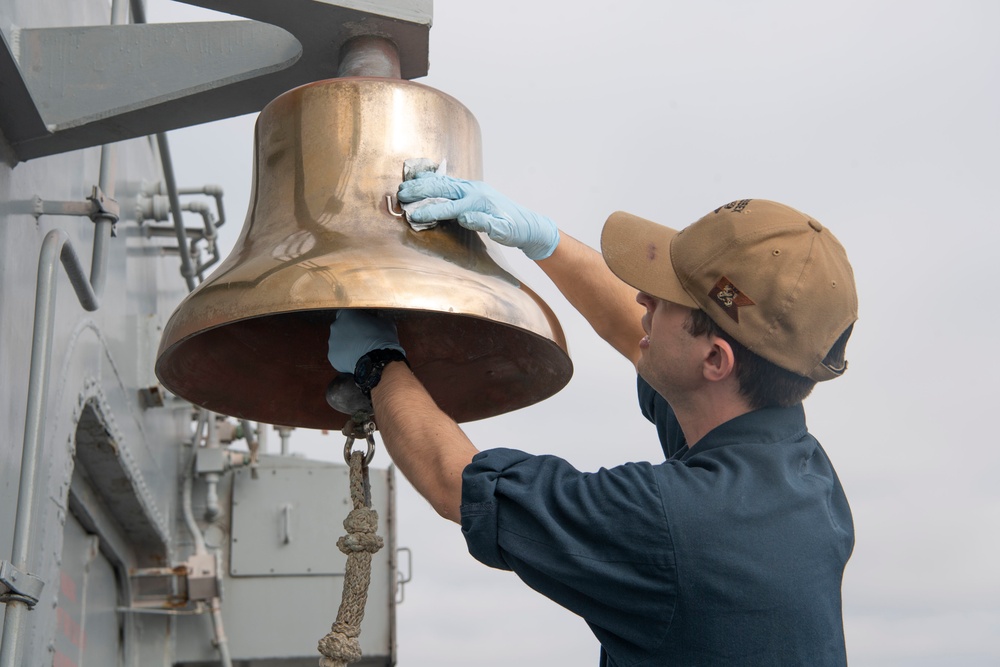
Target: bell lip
[
  {"x": 409, "y": 281},
  {"x": 557, "y": 361}
]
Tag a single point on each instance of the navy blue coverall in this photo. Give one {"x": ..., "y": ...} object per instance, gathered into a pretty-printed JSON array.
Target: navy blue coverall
[{"x": 731, "y": 552}]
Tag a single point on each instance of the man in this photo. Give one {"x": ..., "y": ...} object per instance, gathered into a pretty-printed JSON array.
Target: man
[{"x": 731, "y": 551}]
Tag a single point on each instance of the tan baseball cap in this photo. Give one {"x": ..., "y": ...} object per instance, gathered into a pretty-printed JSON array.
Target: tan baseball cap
[{"x": 771, "y": 277}]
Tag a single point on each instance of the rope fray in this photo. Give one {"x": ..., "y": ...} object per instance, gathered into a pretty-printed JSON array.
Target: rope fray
[{"x": 340, "y": 646}]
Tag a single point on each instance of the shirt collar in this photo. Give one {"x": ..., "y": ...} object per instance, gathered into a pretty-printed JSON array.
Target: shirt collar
[{"x": 764, "y": 426}]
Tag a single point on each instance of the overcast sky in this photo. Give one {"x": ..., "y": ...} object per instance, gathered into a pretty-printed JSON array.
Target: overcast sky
[{"x": 882, "y": 120}]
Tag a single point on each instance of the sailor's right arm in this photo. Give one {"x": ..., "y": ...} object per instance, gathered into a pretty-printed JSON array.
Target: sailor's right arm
[{"x": 606, "y": 302}]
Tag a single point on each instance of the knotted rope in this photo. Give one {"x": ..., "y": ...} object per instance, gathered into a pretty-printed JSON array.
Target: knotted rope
[{"x": 340, "y": 646}]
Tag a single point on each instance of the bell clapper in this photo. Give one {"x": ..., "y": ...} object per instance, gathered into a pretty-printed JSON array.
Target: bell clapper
[{"x": 343, "y": 395}]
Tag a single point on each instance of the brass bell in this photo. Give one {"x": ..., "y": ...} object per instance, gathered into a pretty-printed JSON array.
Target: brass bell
[{"x": 320, "y": 235}]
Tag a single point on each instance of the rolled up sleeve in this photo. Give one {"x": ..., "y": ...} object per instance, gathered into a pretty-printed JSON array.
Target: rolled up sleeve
[
  {"x": 595, "y": 543},
  {"x": 479, "y": 505}
]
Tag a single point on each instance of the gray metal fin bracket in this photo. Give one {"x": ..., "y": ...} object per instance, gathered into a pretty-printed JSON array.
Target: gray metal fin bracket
[{"x": 74, "y": 87}]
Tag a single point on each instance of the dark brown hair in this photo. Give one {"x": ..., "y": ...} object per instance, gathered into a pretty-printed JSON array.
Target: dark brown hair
[{"x": 763, "y": 383}]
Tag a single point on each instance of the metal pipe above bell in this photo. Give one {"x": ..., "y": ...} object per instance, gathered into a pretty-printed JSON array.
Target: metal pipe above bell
[{"x": 251, "y": 341}]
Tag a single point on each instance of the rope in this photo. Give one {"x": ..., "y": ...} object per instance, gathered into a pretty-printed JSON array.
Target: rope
[{"x": 340, "y": 646}]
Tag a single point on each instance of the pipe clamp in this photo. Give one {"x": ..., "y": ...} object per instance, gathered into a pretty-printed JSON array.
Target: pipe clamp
[
  {"x": 17, "y": 586},
  {"x": 103, "y": 207}
]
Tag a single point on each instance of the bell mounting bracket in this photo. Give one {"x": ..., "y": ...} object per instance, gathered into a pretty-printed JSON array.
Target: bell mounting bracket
[{"x": 68, "y": 88}]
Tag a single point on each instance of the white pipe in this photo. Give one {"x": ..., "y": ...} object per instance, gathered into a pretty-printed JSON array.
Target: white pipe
[
  {"x": 205, "y": 418},
  {"x": 209, "y": 235},
  {"x": 284, "y": 432},
  {"x": 214, "y": 191},
  {"x": 261, "y": 438},
  {"x": 186, "y": 489},
  {"x": 221, "y": 643},
  {"x": 253, "y": 444},
  {"x": 212, "y": 508}
]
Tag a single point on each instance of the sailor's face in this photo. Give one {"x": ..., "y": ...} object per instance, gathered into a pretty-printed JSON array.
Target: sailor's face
[{"x": 669, "y": 356}]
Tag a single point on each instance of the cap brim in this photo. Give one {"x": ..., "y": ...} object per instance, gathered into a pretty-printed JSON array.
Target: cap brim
[{"x": 638, "y": 251}]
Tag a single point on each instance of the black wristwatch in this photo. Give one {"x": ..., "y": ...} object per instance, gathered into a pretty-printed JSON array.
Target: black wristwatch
[{"x": 368, "y": 370}]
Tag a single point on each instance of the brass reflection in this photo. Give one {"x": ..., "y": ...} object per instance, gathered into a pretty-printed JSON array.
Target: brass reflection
[{"x": 251, "y": 340}]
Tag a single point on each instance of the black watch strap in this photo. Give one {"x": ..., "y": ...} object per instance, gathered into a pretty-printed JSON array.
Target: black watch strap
[{"x": 368, "y": 371}]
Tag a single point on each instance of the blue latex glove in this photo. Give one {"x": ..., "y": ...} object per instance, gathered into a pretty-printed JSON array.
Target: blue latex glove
[
  {"x": 480, "y": 208},
  {"x": 355, "y": 333}
]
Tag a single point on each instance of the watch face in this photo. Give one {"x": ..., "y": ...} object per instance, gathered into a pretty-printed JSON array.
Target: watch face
[
  {"x": 364, "y": 369},
  {"x": 368, "y": 371}
]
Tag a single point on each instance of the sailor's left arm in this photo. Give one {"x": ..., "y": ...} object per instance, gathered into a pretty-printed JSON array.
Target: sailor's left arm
[{"x": 426, "y": 445}]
